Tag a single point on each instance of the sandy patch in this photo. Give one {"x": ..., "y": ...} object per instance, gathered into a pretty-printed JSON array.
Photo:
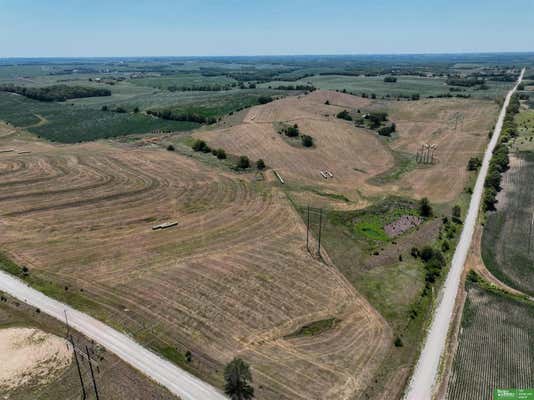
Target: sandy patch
[{"x": 30, "y": 355}]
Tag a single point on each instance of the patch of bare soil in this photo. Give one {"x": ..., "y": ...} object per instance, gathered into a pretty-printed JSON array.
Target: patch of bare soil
[{"x": 30, "y": 355}]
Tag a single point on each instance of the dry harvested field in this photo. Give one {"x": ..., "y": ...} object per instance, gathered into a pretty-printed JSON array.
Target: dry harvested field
[
  {"x": 458, "y": 126},
  {"x": 232, "y": 278}
]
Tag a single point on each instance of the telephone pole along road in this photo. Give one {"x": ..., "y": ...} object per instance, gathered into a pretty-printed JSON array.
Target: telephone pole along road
[
  {"x": 176, "y": 380},
  {"x": 426, "y": 371}
]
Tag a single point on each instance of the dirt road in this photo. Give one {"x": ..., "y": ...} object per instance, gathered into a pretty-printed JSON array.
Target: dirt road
[
  {"x": 178, "y": 381},
  {"x": 423, "y": 380}
]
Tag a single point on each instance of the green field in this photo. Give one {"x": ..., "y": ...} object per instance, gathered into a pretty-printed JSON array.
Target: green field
[
  {"x": 63, "y": 122},
  {"x": 405, "y": 86},
  {"x": 495, "y": 346}
]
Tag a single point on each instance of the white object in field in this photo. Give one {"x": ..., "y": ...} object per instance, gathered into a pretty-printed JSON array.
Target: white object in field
[
  {"x": 329, "y": 174},
  {"x": 323, "y": 175},
  {"x": 279, "y": 177},
  {"x": 165, "y": 225}
]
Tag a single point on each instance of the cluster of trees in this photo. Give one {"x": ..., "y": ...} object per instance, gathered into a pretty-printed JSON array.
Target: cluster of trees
[
  {"x": 464, "y": 81},
  {"x": 265, "y": 99},
  {"x": 387, "y": 130},
  {"x": 344, "y": 115},
  {"x": 376, "y": 118},
  {"x": 182, "y": 116},
  {"x": 307, "y": 88},
  {"x": 55, "y": 92},
  {"x": 200, "y": 88},
  {"x": 500, "y": 161},
  {"x": 474, "y": 164},
  {"x": 390, "y": 79},
  {"x": 293, "y": 132},
  {"x": 201, "y": 146}
]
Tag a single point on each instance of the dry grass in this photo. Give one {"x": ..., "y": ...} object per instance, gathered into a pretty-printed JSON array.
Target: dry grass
[
  {"x": 458, "y": 126},
  {"x": 233, "y": 278}
]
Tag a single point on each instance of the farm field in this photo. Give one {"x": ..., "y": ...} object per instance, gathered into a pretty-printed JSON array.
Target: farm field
[
  {"x": 220, "y": 284},
  {"x": 232, "y": 276},
  {"x": 459, "y": 128},
  {"x": 495, "y": 348},
  {"x": 405, "y": 86},
  {"x": 114, "y": 378}
]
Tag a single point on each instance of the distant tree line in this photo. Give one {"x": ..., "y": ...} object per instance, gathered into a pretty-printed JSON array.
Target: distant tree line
[
  {"x": 182, "y": 116},
  {"x": 307, "y": 88},
  {"x": 55, "y": 92},
  {"x": 464, "y": 81}
]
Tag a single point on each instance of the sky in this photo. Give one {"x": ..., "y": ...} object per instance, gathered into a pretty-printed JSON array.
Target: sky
[{"x": 75, "y": 28}]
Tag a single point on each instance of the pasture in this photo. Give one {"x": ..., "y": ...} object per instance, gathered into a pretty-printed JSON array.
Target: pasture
[
  {"x": 405, "y": 86},
  {"x": 232, "y": 278},
  {"x": 359, "y": 158},
  {"x": 495, "y": 346}
]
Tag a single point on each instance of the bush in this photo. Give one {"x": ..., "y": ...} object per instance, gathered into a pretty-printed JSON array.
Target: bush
[
  {"x": 307, "y": 141},
  {"x": 170, "y": 147},
  {"x": 260, "y": 164},
  {"x": 221, "y": 154},
  {"x": 398, "y": 342},
  {"x": 327, "y": 102},
  {"x": 136, "y": 110},
  {"x": 200, "y": 145},
  {"x": 473, "y": 164},
  {"x": 427, "y": 253},
  {"x": 457, "y": 214},
  {"x": 390, "y": 79},
  {"x": 243, "y": 162},
  {"x": 104, "y": 108},
  {"x": 265, "y": 99},
  {"x": 414, "y": 252},
  {"x": 425, "y": 209},
  {"x": 445, "y": 246},
  {"x": 344, "y": 115},
  {"x": 292, "y": 131}
]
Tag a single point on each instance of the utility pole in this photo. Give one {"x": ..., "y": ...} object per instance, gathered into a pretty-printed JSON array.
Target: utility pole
[
  {"x": 308, "y": 230},
  {"x": 84, "y": 395},
  {"x": 320, "y": 230},
  {"x": 91, "y": 369}
]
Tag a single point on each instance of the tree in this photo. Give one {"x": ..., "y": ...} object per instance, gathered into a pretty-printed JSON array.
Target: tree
[
  {"x": 200, "y": 145},
  {"x": 221, "y": 154},
  {"x": 243, "y": 162},
  {"x": 260, "y": 164},
  {"x": 456, "y": 213},
  {"x": 136, "y": 110},
  {"x": 104, "y": 108},
  {"x": 425, "y": 209},
  {"x": 473, "y": 164},
  {"x": 237, "y": 379},
  {"x": 170, "y": 147},
  {"x": 307, "y": 140},
  {"x": 344, "y": 115}
]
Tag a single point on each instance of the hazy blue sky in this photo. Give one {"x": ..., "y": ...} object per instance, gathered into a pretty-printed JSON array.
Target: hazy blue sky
[{"x": 251, "y": 27}]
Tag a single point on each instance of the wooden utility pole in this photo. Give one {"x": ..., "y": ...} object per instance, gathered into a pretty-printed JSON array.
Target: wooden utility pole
[
  {"x": 84, "y": 395},
  {"x": 92, "y": 374}
]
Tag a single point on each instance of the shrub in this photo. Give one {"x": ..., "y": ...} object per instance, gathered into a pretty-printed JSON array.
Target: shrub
[
  {"x": 327, "y": 102},
  {"x": 344, "y": 115},
  {"x": 414, "y": 252},
  {"x": 292, "y": 131},
  {"x": 457, "y": 214},
  {"x": 260, "y": 164},
  {"x": 104, "y": 108},
  {"x": 473, "y": 164},
  {"x": 427, "y": 253},
  {"x": 136, "y": 110},
  {"x": 243, "y": 162},
  {"x": 307, "y": 141},
  {"x": 221, "y": 154},
  {"x": 445, "y": 246},
  {"x": 200, "y": 145},
  {"x": 425, "y": 209},
  {"x": 390, "y": 79},
  {"x": 265, "y": 99},
  {"x": 398, "y": 342},
  {"x": 170, "y": 147}
]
